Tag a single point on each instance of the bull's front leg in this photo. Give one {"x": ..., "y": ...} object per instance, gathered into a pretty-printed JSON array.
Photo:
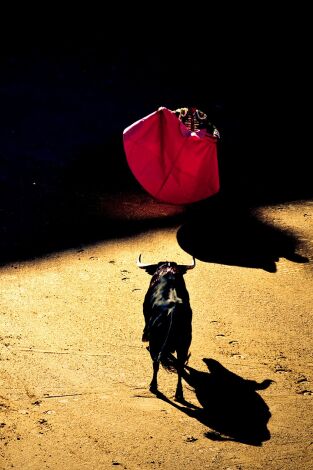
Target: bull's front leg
[{"x": 154, "y": 381}]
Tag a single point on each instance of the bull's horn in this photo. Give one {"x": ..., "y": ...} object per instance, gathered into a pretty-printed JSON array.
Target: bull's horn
[
  {"x": 190, "y": 266},
  {"x": 140, "y": 264}
]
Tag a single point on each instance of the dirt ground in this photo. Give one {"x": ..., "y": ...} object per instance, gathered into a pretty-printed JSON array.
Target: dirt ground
[{"x": 75, "y": 374}]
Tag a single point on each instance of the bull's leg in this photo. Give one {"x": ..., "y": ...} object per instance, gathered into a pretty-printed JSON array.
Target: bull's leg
[
  {"x": 179, "y": 395},
  {"x": 182, "y": 357},
  {"x": 154, "y": 381}
]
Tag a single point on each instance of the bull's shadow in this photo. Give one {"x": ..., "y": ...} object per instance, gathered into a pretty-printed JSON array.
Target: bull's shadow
[
  {"x": 230, "y": 405},
  {"x": 223, "y": 231}
]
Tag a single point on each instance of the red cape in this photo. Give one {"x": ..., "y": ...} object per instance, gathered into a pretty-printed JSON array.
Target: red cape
[{"x": 171, "y": 163}]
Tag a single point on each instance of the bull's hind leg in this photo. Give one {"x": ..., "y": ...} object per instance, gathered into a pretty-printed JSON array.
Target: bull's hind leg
[
  {"x": 179, "y": 395},
  {"x": 154, "y": 381},
  {"x": 182, "y": 358}
]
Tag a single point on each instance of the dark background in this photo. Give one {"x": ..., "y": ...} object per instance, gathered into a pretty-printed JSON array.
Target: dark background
[{"x": 68, "y": 90}]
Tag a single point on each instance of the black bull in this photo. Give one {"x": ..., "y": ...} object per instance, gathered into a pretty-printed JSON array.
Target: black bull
[{"x": 168, "y": 319}]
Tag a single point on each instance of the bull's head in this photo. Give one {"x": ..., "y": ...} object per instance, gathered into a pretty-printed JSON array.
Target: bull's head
[{"x": 151, "y": 268}]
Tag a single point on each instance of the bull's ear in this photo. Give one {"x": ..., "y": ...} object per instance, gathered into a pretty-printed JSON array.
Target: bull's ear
[
  {"x": 151, "y": 269},
  {"x": 183, "y": 268}
]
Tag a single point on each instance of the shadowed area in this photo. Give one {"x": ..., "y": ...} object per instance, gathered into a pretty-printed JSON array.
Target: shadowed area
[
  {"x": 223, "y": 231},
  {"x": 40, "y": 217},
  {"x": 230, "y": 404}
]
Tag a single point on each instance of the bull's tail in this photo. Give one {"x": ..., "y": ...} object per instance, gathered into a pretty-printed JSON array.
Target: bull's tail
[
  {"x": 160, "y": 343},
  {"x": 165, "y": 356},
  {"x": 170, "y": 363},
  {"x": 166, "y": 359}
]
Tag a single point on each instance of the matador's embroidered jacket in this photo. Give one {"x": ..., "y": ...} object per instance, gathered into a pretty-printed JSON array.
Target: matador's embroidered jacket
[{"x": 196, "y": 120}]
